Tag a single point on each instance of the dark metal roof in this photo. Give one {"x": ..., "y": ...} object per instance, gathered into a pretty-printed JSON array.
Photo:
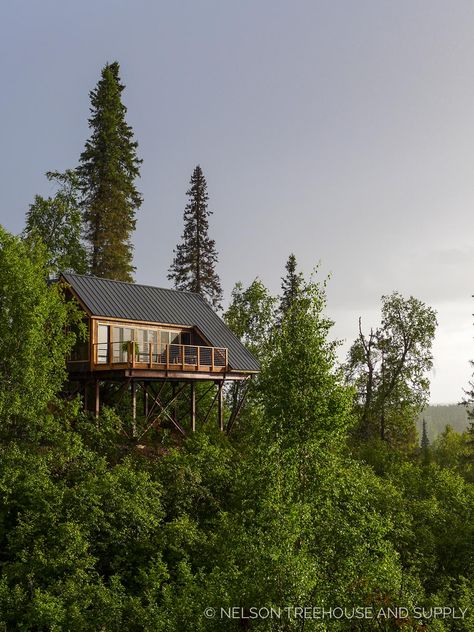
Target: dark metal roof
[{"x": 130, "y": 301}]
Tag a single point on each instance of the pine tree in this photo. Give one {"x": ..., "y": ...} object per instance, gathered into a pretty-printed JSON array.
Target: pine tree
[
  {"x": 425, "y": 445},
  {"x": 193, "y": 266},
  {"x": 425, "y": 442},
  {"x": 107, "y": 170},
  {"x": 291, "y": 285}
]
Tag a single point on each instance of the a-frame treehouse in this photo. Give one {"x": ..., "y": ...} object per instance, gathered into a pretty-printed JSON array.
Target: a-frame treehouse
[{"x": 154, "y": 341}]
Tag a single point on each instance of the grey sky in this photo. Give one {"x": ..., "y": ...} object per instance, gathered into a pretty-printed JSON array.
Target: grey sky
[{"x": 342, "y": 131}]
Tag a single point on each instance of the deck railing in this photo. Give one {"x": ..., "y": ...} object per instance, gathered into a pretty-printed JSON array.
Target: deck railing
[{"x": 150, "y": 355}]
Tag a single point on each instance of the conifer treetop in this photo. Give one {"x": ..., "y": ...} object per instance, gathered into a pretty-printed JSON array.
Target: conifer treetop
[
  {"x": 291, "y": 285},
  {"x": 193, "y": 266},
  {"x": 108, "y": 168}
]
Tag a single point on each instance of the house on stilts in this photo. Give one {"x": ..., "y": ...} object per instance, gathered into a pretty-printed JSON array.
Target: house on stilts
[{"x": 143, "y": 338}]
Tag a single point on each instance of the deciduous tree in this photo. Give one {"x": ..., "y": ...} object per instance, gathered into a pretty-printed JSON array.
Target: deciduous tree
[
  {"x": 389, "y": 369},
  {"x": 57, "y": 221},
  {"x": 34, "y": 338}
]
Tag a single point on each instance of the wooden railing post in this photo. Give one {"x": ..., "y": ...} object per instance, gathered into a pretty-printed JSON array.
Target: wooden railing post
[
  {"x": 167, "y": 356},
  {"x": 150, "y": 351},
  {"x": 212, "y": 358},
  {"x": 182, "y": 357},
  {"x": 198, "y": 358}
]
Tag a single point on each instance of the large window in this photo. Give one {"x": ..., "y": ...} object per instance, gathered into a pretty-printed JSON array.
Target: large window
[
  {"x": 121, "y": 337},
  {"x": 141, "y": 338}
]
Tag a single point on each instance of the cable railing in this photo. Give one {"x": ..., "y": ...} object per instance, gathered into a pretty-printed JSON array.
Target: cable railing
[{"x": 151, "y": 355}]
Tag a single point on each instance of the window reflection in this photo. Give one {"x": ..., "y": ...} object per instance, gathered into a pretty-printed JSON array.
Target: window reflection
[{"x": 141, "y": 338}]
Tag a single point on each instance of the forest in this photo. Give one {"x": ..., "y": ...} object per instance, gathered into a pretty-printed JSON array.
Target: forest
[{"x": 323, "y": 509}]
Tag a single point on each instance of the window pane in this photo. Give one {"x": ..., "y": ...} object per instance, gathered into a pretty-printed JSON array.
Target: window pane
[
  {"x": 185, "y": 338},
  {"x": 175, "y": 337},
  {"x": 102, "y": 346}
]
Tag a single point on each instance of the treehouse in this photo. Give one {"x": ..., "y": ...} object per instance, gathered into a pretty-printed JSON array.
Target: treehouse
[{"x": 141, "y": 336}]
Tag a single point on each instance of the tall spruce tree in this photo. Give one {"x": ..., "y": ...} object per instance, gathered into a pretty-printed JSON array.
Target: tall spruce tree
[
  {"x": 425, "y": 442},
  {"x": 108, "y": 168},
  {"x": 193, "y": 266},
  {"x": 291, "y": 285},
  {"x": 425, "y": 445}
]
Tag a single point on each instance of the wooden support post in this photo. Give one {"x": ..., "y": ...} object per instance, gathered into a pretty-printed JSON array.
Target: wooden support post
[
  {"x": 193, "y": 406},
  {"x": 109, "y": 346},
  {"x": 145, "y": 399},
  {"x": 133, "y": 387},
  {"x": 97, "y": 398},
  {"x": 220, "y": 405},
  {"x": 173, "y": 396}
]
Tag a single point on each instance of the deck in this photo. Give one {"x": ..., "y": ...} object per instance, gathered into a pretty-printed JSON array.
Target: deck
[{"x": 172, "y": 357}]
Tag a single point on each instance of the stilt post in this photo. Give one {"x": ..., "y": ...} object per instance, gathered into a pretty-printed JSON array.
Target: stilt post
[
  {"x": 133, "y": 387},
  {"x": 97, "y": 399},
  {"x": 220, "y": 405},
  {"x": 193, "y": 406}
]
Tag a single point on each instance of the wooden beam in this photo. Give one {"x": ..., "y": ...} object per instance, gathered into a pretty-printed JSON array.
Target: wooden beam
[
  {"x": 164, "y": 412},
  {"x": 145, "y": 399},
  {"x": 220, "y": 405},
  {"x": 97, "y": 398},
  {"x": 238, "y": 406},
  {"x": 133, "y": 388},
  {"x": 193, "y": 406}
]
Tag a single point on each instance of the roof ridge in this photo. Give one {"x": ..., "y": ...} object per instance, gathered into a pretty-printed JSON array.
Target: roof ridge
[{"x": 153, "y": 287}]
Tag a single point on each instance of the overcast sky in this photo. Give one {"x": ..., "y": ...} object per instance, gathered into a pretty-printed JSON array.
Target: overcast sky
[{"x": 341, "y": 131}]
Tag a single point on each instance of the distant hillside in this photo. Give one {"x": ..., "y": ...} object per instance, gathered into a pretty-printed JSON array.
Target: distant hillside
[{"x": 438, "y": 417}]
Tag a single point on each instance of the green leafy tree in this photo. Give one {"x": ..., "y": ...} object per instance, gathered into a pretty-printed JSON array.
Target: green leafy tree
[
  {"x": 251, "y": 316},
  {"x": 57, "y": 221},
  {"x": 468, "y": 402},
  {"x": 33, "y": 343},
  {"x": 108, "y": 168},
  {"x": 291, "y": 285},
  {"x": 309, "y": 527},
  {"x": 195, "y": 258},
  {"x": 303, "y": 388},
  {"x": 389, "y": 369}
]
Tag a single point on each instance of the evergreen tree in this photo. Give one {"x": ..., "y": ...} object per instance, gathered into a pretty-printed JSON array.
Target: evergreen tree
[
  {"x": 57, "y": 221},
  {"x": 425, "y": 445},
  {"x": 291, "y": 285},
  {"x": 107, "y": 170},
  {"x": 425, "y": 442},
  {"x": 193, "y": 266}
]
